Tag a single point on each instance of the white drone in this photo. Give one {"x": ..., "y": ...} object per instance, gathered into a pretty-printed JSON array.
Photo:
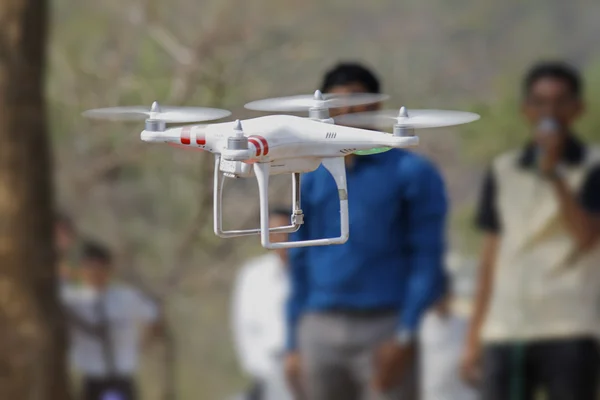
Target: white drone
[{"x": 280, "y": 144}]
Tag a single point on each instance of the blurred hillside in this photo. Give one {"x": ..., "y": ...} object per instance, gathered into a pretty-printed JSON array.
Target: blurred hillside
[{"x": 153, "y": 204}]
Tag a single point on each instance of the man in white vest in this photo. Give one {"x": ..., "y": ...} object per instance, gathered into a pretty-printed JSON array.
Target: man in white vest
[{"x": 537, "y": 310}]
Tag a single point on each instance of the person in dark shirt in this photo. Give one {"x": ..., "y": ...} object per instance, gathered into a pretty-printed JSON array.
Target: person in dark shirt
[
  {"x": 354, "y": 309},
  {"x": 536, "y": 311}
]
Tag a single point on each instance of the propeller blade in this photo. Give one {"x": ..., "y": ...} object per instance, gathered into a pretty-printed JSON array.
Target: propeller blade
[
  {"x": 118, "y": 113},
  {"x": 166, "y": 114},
  {"x": 305, "y": 102},
  {"x": 416, "y": 119}
]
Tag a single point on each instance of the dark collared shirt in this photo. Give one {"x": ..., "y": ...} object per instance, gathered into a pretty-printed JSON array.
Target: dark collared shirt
[{"x": 487, "y": 218}]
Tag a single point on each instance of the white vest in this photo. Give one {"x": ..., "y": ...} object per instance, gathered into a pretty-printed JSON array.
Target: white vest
[{"x": 541, "y": 289}]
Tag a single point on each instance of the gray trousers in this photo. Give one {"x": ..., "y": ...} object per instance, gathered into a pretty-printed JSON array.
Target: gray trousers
[{"x": 337, "y": 352}]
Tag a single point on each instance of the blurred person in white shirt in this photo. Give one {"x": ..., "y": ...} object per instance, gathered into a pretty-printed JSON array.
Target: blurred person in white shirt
[
  {"x": 259, "y": 297},
  {"x": 105, "y": 341},
  {"x": 442, "y": 335}
]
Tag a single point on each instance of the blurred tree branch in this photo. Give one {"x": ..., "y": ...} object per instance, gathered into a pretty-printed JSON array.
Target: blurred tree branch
[{"x": 184, "y": 82}]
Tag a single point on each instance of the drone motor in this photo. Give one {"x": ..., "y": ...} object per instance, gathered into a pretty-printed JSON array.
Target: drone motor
[
  {"x": 319, "y": 112},
  {"x": 153, "y": 124},
  {"x": 402, "y": 130},
  {"x": 239, "y": 141}
]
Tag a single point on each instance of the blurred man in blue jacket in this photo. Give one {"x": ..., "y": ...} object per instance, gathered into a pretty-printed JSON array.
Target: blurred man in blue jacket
[{"x": 354, "y": 309}]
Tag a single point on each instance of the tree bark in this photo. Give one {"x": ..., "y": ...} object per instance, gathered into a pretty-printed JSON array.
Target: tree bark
[{"x": 32, "y": 329}]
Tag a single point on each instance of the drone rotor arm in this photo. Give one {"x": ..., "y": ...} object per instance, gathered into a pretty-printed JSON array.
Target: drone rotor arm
[{"x": 172, "y": 136}]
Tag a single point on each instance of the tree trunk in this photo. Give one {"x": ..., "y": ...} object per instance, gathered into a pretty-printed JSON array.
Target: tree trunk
[{"x": 32, "y": 339}]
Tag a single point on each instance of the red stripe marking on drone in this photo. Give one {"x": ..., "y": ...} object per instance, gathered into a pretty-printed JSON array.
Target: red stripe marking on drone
[
  {"x": 264, "y": 143},
  {"x": 256, "y": 144},
  {"x": 185, "y": 135},
  {"x": 200, "y": 139}
]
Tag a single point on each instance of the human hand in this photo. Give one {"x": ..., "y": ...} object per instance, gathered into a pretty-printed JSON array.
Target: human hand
[
  {"x": 293, "y": 373},
  {"x": 391, "y": 361},
  {"x": 443, "y": 308},
  {"x": 470, "y": 364}
]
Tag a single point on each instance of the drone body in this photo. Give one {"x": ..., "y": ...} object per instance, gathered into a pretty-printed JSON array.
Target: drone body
[
  {"x": 280, "y": 144},
  {"x": 289, "y": 143}
]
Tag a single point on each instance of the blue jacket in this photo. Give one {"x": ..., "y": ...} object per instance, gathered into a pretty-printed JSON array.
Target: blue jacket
[{"x": 394, "y": 257}]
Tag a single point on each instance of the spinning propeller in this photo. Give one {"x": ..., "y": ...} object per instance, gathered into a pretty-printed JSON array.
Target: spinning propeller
[
  {"x": 404, "y": 122},
  {"x": 413, "y": 119},
  {"x": 179, "y": 115},
  {"x": 317, "y": 105}
]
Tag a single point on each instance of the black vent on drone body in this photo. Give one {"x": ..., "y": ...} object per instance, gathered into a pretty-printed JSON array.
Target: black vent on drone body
[{"x": 330, "y": 135}]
